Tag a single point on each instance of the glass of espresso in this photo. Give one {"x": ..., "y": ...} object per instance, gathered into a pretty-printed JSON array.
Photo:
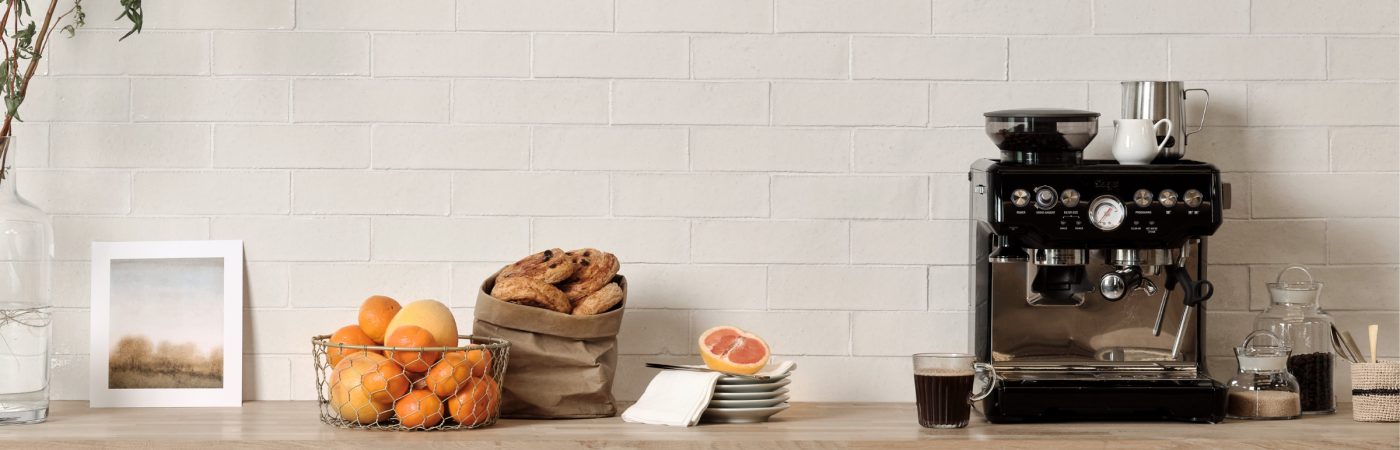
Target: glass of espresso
[{"x": 943, "y": 388}]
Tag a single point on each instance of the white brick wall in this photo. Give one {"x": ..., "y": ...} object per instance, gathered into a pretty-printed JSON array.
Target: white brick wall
[{"x": 797, "y": 167}]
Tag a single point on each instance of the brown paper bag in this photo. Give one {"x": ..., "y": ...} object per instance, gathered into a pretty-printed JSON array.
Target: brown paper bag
[{"x": 561, "y": 366}]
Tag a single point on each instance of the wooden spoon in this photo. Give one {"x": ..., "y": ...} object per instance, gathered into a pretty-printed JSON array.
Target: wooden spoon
[{"x": 1373, "y": 330}]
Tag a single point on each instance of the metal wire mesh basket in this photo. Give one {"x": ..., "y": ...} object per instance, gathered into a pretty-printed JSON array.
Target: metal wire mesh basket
[{"x": 374, "y": 387}]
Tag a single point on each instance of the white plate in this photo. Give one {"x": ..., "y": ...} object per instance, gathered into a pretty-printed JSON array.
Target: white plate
[
  {"x": 741, "y": 380},
  {"x": 762, "y": 387},
  {"x": 748, "y": 395},
  {"x": 763, "y": 403},
  {"x": 741, "y": 415}
]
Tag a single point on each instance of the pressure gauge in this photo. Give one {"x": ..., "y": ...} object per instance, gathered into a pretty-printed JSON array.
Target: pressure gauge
[{"x": 1106, "y": 213}]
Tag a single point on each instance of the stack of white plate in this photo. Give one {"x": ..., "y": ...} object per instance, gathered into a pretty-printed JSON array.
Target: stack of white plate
[{"x": 746, "y": 400}]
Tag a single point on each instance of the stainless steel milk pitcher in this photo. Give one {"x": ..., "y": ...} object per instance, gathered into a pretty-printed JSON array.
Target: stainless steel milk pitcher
[{"x": 1157, "y": 100}]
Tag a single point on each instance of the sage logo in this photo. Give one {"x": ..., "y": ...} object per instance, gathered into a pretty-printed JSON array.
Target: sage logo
[{"x": 1106, "y": 184}]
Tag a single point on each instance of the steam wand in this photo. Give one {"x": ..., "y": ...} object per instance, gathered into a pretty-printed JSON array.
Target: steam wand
[{"x": 1194, "y": 292}]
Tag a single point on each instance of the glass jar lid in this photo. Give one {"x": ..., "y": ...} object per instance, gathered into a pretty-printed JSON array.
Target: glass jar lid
[
  {"x": 1062, "y": 115},
  {"x": 1263, "y": 351},
  {"x": 1294, "y": 291}
]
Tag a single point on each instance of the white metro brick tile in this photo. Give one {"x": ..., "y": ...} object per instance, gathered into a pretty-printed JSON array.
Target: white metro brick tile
[
  {"x": 532, "y": 101},
  {"x": 284, "y": 238},
  {"x": 449, "y": 239},
  {"x": 467, "y": 279},
  {"x": 266, "y": 284},
  {"x": 962, "y": 104},
  {"x": 770, "y": 56},
  {"x": 77, "y": 100},
  {"x": 354, "y": 100},
  {"x": 304, "y": 384},
  {"x": 875, "y": 104},
  {"x": 632, "y": 240},
  {"x": 787, "y": 332},
  {"x": 529, "y": 194},
  {"x": 690, "y": 195},
  {"x": 200, "y": 15},
  {"x": 854, "y": 16},
  {"x": 1226, "y": 329},
  {"x": 1322, "y": 195},
  {"x": 373, "y": 15},
  {"x": 291, "y": 53},
  {"x": 611, "y": 56},
  {"x": 205, "y": 192},
  {"x": 879, "y": 379},
  {"x": 1261, "y": 149},
  {"x": 535, "y": 15},
  {"x": 289, "y": 331},
  {"x": 69, "y": 377},
  {"x": 451, "y": 55},
  {"x": 1088, "y": 58},
  {"x": 73, "y": 236},
  {"x": 1248, "y": 58},
  {"x": 93, "y": 52},
  {"x": 928, "y": 58},
  {"x": 1259, "y": 242},
  {"x": 371, "y": 192},
  {"x": 948, "y": 288},
  {"x": 1231, "y": 284},
  {"x": 920, "y": 151},
  {"x": 347, "y": 285},
  {"x": 1012, "y": 17},
  {"x": 1177, "y": 17},
  {"x": 410, "y": 146},
  {"x": 73, "y": 327},
  {"x": 1363, "y": 58},
  {"x": 267, "y": 378},
  {"x": 1239, "y": 195},
  {"x": 1365, "y": 149},
  {"x": 129, "y": 145},
  {"x": 1324, "y": 16},
  {"x": 704, "y": 16},
  {"x": 846, "y": 287},
  {"x": 30, "y": 145},
  {"x": 903, "y": 333},
  {"x": 775, "y": 242},
  {"x": 291, "y": 146},
  {"x": 1363, "y": 241},
  {"x": 633, "y": 375},
  {"x": 770, "y": 149},
  {"x": 1356, "y": 322},
  {"x": 1314, "y": 104},
  {"x": 695, "y": 287},
  {"x": 72, "y": 284},
  {"x": 948, "y": 196},
  {"x": 909, "y": 242},
  {"x": 717, "y": 103},
  {"x": 609, "y": 148},
  {"x": 1347, "y": 288},
  {"x": 655, "y": 332},
  {"x": 209, "y": 100},
  {"x": 76, "y": 191},
  {"x": 855, "y": 197}
]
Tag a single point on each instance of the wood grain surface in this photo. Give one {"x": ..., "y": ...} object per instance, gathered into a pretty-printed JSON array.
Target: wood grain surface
[{"x": 804, "y": 426}]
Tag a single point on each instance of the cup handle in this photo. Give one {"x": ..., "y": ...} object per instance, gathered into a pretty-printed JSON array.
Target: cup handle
[
  {"x": 1163, "y": 144},
  {"x": 987, "y": 387}
]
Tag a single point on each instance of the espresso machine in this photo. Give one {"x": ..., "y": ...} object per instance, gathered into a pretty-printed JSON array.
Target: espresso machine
[{"x": 1089, "y": 281}]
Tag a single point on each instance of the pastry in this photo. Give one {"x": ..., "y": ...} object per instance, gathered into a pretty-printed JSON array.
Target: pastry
[
  {"x": 596, "y": 269},
  {"x": 550, "y": 266},
  {"x": 600, "y": 301},
  {"x": 529, "y": 291}
]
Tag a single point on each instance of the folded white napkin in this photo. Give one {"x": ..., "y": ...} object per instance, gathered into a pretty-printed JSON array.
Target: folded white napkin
[{"x": 675, "y": 397}]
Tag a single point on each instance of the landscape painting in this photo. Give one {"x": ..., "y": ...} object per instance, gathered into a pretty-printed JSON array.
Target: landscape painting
[{"x": 166, "y": 324}]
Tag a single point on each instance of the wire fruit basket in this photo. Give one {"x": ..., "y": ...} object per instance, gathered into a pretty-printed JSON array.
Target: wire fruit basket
[{"x": 375, "y": 387}]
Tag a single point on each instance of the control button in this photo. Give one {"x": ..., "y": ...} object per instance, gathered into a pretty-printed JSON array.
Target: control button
[
  {"x": 1143, "y": 198},
  {"x": 1044, "y": 197},
  {"x": 1168, "y": 198},
  {"x": 1193, "y": 198},
  {"x": 1070, "y": 198},
  {"x": 1020, "y": 198}
]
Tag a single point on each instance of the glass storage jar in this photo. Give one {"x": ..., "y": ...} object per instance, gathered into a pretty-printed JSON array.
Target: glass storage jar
[
  {"x": 26, "y": 250},
  {"x": 1263, "y": 388},
  {"x": 1295, "y": 316}
]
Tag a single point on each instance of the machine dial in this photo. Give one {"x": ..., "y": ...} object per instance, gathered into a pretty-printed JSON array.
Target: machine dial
[
  {"x": 1070, "y": 198},
  {"x": 1044, "y": 197},
  {"x": 1020, "y": 198},
  {"x": 1192, "y": 198},
  {"x": 1143, "y": 198},
  {"x": 1168, "y": 198},
  {"x": 1106, "y": 213}
]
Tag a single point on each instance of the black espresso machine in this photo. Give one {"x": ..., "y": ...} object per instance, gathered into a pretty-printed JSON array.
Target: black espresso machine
[{"x": 1089, "y": 277}]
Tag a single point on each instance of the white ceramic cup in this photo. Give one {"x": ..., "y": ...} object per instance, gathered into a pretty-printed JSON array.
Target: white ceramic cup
[{"x": 1135, "y": 140}]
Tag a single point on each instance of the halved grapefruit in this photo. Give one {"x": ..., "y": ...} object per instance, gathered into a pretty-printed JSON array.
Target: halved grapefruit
[{"x": 730, "y": 349}]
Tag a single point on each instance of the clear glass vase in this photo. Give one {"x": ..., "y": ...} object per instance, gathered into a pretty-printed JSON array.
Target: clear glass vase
[{"x": 26, "y": 251}]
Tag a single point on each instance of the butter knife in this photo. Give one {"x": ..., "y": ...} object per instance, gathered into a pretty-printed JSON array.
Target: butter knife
[{"x": 699, "y": 369}]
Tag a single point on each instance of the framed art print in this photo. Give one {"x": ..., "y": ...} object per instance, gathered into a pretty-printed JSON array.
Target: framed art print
[{"x": 167, "y": 323}]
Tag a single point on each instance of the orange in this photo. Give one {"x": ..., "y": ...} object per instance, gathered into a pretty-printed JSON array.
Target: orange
[
  {"x": 449, "y": 374},
  {"x": 478, "y": 402},
  {"x": 349, "y": 334},
  {"x": 375, "y": 314},
  {"x": 364, "y": 385},
  {"x": 480, "y": 361},
  {"x": 419, "y": 409},
  {"x": 730, "y": 349},
  {"x": 412, "y": 336},
  {"x": 430, "y": 315}
]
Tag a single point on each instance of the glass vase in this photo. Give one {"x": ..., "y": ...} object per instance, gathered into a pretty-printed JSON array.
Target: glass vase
[{"x": 26, "y": 251}]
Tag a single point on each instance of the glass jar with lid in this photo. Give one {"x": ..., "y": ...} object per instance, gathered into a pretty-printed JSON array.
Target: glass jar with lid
[
  {"x": 1295, "y": 315},
  {"x": 1263, "y": 388}
]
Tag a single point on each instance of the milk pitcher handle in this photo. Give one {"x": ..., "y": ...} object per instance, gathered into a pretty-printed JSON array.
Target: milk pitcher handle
[
  {"x": 1204, "y": 108},
  {"x": 984, "y": 369},
  {"x": 1163, "y": 144}
]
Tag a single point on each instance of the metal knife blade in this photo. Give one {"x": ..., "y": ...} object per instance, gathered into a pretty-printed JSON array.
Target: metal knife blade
[{"x": 699, "y": 369}]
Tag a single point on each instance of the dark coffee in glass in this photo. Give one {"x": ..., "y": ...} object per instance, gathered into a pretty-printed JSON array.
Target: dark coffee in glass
[{"x": 943, "y": 388}]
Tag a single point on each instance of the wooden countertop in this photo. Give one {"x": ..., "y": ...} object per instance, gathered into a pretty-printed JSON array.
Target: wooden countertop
[{"x": 805, "y": 425}]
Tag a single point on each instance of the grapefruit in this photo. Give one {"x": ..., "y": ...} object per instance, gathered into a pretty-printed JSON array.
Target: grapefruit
[
  {"x": 375, "y": 314},
  {"x": 364, "y": 386},
  {"x": 349, "y": 334},
  {"x": 429, "y": 315},
  {"x": 730, "y": 349},
  {"x": 478, "y": 402}
]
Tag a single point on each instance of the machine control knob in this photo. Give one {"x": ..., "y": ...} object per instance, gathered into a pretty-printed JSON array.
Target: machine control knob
[
  {"x": 1192, "y": 198},
  {"x": 1045, "y": 197},
  {"x": 1070, "y": 198},
  {"x": 1143, "y": 198},
  {"x": 1168, "y": 198},
  {"x": 1020, "y": 198}
]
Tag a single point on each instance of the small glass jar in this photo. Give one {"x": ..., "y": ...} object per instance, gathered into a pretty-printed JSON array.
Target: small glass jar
[
  {"x": 1263, "y": 389},
  {"x": 1295, "y": 316}
]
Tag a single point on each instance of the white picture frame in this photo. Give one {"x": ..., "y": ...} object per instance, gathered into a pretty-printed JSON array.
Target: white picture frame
[{"x": 161, "y": 285}]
